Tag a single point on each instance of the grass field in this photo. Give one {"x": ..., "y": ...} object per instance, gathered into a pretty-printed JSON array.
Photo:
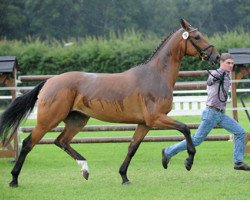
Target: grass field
[{"x": 49, "y": 173}]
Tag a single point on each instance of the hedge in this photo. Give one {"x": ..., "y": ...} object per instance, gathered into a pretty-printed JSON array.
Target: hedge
[{"x": 113, "y": 54}]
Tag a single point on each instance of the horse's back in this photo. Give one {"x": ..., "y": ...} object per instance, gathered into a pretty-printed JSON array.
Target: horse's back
[{"x": 94, "y": 94}]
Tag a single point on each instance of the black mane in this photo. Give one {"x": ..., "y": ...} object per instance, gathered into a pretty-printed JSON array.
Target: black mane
[{"x": 159, "y": 47}]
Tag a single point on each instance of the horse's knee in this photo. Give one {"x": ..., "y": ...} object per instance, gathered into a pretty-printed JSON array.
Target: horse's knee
[{"x": 184, "y": 129}]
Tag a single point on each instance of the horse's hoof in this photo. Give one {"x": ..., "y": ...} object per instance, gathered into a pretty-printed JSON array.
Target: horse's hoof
[
  {"x": 13, "y": 184},
  {"x": 85, "y": 174},
  {"x": 188, "y": 164},
  {"x": 126, "y": 183}
]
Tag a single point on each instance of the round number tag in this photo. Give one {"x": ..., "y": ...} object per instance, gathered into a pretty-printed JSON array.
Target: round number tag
[{"x": 185, "y": 35}]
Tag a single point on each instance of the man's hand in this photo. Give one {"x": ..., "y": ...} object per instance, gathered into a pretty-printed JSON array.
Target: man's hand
[
  {"x": 219, "y": 78},
  {"x": 214, "y": 79}
]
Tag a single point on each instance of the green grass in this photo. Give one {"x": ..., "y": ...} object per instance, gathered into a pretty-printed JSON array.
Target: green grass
[{"x": 49, "y": 173}]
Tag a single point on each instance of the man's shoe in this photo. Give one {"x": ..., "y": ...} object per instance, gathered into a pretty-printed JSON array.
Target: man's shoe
[
  {"x": 241, "y": 166},
  {"x": 165, "y": 159}
]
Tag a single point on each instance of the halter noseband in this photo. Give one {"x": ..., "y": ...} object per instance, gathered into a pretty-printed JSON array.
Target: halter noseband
[{"x": 202, "y": 52}]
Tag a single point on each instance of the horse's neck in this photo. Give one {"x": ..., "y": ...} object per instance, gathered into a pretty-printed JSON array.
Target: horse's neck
[
  {"x": 172, "y": 73},
  {"x": 168, "y": 61}
]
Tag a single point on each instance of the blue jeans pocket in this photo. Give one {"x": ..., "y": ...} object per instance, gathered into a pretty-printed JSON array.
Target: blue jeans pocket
[{"x": 208, "y": 114}]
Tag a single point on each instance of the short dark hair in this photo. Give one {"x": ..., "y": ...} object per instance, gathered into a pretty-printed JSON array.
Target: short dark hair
[{"x": 225, "y": 56}]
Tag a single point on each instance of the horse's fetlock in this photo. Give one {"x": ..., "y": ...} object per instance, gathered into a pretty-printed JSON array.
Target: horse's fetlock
[
  {"x": 14, "y": 173},
  {"x": 121, "y": 171},
  {"x": 192, "y": 151}
]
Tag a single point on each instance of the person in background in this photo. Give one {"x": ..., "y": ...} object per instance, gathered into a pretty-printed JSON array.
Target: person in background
[{"x": 218, "y": 84}]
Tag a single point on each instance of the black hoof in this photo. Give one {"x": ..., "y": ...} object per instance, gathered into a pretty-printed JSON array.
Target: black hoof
[
  {"x": 188, "y": 164},
  {"x": 13, "y": 184},
  {"x": 85, "y": 174},
  {"x": 126, "y": 183}
]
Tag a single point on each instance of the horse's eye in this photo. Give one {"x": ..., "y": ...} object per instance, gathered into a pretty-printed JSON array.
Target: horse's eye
[{"x": 197, "y": 37}]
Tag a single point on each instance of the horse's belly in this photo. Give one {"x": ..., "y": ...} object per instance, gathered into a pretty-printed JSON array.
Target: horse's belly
[{"x": 118, "y": 112}]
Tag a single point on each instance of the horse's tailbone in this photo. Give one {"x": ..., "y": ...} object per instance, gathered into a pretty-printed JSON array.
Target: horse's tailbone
[{"x": 20, "y": 108}]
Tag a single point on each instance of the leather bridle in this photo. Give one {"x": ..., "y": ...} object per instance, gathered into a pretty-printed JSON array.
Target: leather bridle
[{"x": 202, "y": 51}]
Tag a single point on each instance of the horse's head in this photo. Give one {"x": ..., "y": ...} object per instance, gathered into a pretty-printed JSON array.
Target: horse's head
[{"x": 196, "y": 45}]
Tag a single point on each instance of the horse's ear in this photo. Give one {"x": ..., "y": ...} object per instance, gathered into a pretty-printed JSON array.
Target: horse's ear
[{"x": 185, "y": 25}]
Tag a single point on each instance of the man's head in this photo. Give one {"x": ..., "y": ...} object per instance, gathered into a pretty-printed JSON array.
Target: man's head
[{"x": 226, "y": 62}]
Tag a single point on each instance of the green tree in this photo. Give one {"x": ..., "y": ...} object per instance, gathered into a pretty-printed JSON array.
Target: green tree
[
  {"x": 103, "y": 16},
  {"x": 66, "y": 19},
  {"x": 51, "y": 19},
  {"x": 12, "y": 20},
  {"x": 230, "y": 15}
]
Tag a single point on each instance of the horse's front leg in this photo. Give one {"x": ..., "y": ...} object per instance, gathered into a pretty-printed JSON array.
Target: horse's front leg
[
  {"x": 167, "y": 122},
  {"x": 138, "y": 136}
]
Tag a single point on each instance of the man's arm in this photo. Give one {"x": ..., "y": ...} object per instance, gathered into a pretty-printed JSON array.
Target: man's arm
[{"x": 214, "y": 78}]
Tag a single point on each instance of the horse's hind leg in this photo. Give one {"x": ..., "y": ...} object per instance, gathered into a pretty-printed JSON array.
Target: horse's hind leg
[
  {"x": 28, "y": 143},
  {"x": 26, "y": 148},
  {"x": 138, "y": 136},
  {"x": 73, "y": 124}
]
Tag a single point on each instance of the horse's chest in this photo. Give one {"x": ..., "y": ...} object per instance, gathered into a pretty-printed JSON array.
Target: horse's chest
[
  {"x": 158, "y": 92},
  {"x": 159, "y": 105}
]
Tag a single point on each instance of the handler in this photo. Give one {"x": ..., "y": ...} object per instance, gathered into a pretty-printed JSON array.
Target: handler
[{"x": 218, "y": 84}]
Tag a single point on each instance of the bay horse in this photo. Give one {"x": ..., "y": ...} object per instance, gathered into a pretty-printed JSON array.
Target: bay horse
[{"x": 142, "y": 95}]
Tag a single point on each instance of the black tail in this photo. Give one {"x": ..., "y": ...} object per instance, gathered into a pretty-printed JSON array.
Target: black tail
[{"x": 19, "y": 109}]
